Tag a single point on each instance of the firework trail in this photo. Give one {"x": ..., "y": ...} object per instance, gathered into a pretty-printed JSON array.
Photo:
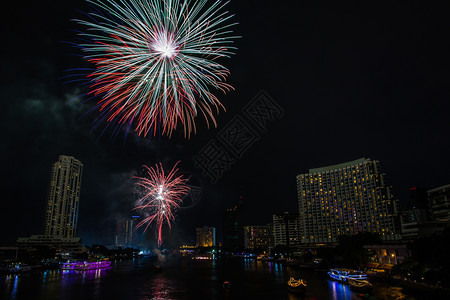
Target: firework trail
[
  {"x": 163, "y": 194},
  {"x": 156, "y": 62}
]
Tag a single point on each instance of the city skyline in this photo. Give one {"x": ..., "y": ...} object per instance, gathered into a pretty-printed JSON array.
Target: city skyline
[
  {"x": 375, "y": 210},
  {"x": 375, "y": 90},
  {"x": 70, "y": 164}
]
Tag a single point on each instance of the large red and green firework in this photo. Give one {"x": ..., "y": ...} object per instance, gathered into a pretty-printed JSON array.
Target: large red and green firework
[
  {"x": 156, "y": 62},
  {"x": 162, "y": 194}
]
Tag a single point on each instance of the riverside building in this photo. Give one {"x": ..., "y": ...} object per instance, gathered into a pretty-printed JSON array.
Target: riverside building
[
  {"x": 347, "y": 198},
  {"x": 286, "y": 228},
  {"x": 439, "y": 199},
  {"x": 206, "y": 237},
  {"x": 258, "y": 237}
]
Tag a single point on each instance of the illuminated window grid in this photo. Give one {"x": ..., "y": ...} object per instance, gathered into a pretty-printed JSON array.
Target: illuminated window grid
[{"x": 345, "y": 200}]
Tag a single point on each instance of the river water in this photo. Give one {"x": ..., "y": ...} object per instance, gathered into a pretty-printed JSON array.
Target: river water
[{"x": 183, "y": 279}]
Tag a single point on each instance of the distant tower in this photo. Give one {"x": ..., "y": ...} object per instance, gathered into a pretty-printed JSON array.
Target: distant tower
[
  {"x": 126, "y": 233},
  {"x": 63, "y": 198},
  {"x": 233, "y": 230}
]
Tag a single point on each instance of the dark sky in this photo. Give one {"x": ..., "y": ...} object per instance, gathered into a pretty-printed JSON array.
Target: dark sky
[{"x": 355, "y": 78}]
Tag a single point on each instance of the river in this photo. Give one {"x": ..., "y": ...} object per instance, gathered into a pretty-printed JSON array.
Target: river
[{"x": 183, "y": 279}]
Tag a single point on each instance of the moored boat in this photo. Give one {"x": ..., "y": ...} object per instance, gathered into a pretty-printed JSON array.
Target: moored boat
[
  {"x": 17, "y": 267},
  {"x": 343, "y": 275},
  {"x": 264, "y": 258},
  {"x": 357, "y": 280},
  {"x": 85, "y": 265},
  {"x": 359, "y": 284}
]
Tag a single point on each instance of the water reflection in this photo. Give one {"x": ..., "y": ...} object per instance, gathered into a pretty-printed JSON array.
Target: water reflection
[
  {"x": 14, "y": 286},
  {"x": 161, "y": 288},
  {"x": 339, "y": 291},
  {"x": 186, "y": 279}
]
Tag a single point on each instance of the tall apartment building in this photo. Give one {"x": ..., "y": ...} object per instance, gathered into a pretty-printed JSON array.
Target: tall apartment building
[
  {"x": 206, "y": 237},
  {"x": 286, "y": 229},
  {"x": 439, "y": 199},
  {"x": 258, "y": 237},
  {"x": 347, "y": 198},
  {"x": 63, "y": 198}
]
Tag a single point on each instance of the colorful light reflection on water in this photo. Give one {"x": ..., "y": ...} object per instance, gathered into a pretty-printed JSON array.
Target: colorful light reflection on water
[
  {"x": 339, "y": 291},
  {"x": 180, "y": 279},
  {"x": 85, "y": 265}
]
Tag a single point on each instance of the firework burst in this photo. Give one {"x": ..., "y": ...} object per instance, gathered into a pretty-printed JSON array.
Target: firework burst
[
  {"x": 162, "y": 195},
  {"x": 156, "y": 62}
]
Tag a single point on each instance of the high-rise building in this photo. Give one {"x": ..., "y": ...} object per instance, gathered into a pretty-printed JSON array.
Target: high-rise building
[
  {"x": 416, "y": 215},
  {"x": 439, "y": 199},
  {"x": 286, "y": 229},
  {"x": 418, "y": 198},
  {"x": 206, "y": 237},
  {"x": 258, "y": 237},
  {"x": 126, "y": 232},
  {"x": 233, "y": 230},
  {"x": 347, "y": 198},
  {"x": 63, "y": 198}
]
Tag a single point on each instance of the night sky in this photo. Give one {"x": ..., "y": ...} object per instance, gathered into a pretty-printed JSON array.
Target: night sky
[{"x": 355, "y": 78}]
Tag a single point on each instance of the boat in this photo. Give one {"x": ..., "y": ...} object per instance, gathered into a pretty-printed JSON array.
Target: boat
[
  {"x": 359, "y": 284},
  {"x": 15, "y": 268},
  {"x": 85, "y": 265},
  {"x": 346, "y": 275},
  {"x": 296, "y": 285},
  {"x": 202, "y": 257},
  {"x": 264, "y": 258},
  {"x": 50, "y": 264}
]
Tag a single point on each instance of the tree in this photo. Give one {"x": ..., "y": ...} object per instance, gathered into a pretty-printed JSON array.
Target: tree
[{"x": 351, "y": 248}]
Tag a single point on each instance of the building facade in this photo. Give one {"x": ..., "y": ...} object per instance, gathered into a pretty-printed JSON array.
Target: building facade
[
  {"x": 233, "y": 231},
  {"x": 388, "y": 254},
  {"x": 439, "y": 201},
  {"x": 346, "y": 199},
  {"x": 286, "y": 229},
  {"x": 416, "y": 214},
  {"x": 60, "y": 243},
  {"x": 63, "y": 198},
  {"x": 412, "y": 220},
  {"x": 258, "y": 237},
  {"x": 206, "y": 237}
]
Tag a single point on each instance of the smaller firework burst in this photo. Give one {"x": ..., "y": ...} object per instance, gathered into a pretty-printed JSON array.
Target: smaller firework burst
[{"x": 162, "y": 196}]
